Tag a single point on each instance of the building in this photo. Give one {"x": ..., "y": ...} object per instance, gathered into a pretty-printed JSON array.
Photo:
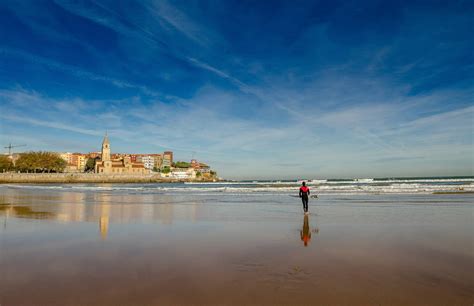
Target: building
[
  {"x": 81, "y": 162},
  {"x": 123, "y": 165},
  {"x": 67, "y": 157},
  {"x": 75, "y": 162},
  {"x": 204, "y": 168},
  {"x": 93, "y": 155},
  {"x": 133, "y": 158},
  {"x": 118, "y": 155},
  {"x": 158, "y": 160},
  {"x": 183, "y": 173},
  {"x": 167, "y": 159},
  {"x": 147, "y": 161},
  {"x": 78, "y": 162},
  {"x": 195, "y": 164}
]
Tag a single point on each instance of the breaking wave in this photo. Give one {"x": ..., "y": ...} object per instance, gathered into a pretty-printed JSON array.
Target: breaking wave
[{"x": 342, "y": 186}]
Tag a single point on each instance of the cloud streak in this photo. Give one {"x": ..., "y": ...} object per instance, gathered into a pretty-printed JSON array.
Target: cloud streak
[{"x": 76, "y": 71}]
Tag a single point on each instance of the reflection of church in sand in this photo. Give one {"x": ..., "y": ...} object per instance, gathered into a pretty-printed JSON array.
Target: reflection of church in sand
[
  {"x": 105, "y": 208},
  {"x": 104, "y": 219},
  {"x": 86, "y": 207},
  {"x": 150, "y": 210},
  {"x": 63, "y": 212}
]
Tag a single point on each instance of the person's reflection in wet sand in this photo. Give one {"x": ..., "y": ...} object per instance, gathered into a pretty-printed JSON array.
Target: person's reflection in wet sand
[{"x": 305, "y": 233}]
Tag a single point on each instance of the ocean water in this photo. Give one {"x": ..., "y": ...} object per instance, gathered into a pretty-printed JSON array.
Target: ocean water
[{"x": 320, "y": 187}]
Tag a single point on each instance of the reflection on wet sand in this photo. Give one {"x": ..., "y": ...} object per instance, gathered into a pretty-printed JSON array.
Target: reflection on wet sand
[
  {"x": 23, "y": 212},
  {"x": 16, "y": 211},
  {"x": 305, "y": 233},
  {"x": 104, "y": 217},
  {"x": 222, "y": 249},
  {"x": 103, "y": 208}
]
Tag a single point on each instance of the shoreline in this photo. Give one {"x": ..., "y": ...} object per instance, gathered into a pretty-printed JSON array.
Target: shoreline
[
  {"x": 79, "y": 178},
  {"x": 453, "y": 192}
]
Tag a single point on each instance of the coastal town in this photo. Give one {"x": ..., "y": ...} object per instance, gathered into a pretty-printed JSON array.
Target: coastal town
[{"x": 106, "y": 163}]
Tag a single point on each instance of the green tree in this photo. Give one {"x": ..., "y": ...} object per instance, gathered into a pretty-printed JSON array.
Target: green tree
[
  {"x": 155, "y": 169},
  {"x": 5, "y": 163},
  {"x": 182, "y": 164},
  {"x": 166, "y": 169},
  {"x": 40, "y": 162},
  {"x": 25, "y": 162},
  {"x": 90, "y": 164}
]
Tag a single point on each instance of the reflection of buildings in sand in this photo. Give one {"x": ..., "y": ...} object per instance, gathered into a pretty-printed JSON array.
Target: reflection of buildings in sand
[
  {"x": 167, "y": 208},
  {"x": 21, "y": 211},
  {"x": 37, "y": 205},
  {"x": 105, "y": 207},
  {"x": 71, "y": 207},
  {"x": 86, "y": 207},
  {"x": 76, "y": 205},
  {"x": 192, "y": 211},
  {"x": 164, "y": 213}
]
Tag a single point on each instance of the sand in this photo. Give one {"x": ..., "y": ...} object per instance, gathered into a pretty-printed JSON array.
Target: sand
[{"x": 106, "y": 248}]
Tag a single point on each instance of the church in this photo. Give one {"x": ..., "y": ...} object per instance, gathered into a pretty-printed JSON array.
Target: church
[{"x": 123, "y": 165}]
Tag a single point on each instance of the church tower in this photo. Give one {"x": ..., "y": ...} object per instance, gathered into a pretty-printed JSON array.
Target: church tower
[{"x": 106, "y": 148}]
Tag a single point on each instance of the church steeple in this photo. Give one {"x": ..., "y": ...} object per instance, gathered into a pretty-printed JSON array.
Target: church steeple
[
  {"x": 106, "y": 148},
  {"x": 106, "y": 139}
]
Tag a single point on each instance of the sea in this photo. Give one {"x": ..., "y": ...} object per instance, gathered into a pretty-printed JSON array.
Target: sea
[{"x": 361, "y": 186}]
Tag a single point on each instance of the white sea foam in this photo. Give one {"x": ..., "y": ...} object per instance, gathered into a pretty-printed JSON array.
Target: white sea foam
[{"x": 356, "y": 186}]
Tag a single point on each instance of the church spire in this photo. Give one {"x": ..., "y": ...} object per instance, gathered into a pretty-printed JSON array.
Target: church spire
[
  {"x": 106, "y": 139},
  {"x": 106, "y": 148}
]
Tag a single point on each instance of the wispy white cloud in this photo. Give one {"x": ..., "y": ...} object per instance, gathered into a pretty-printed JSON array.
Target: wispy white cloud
[
  {"x": 195, "y": 126},
  {"x": 77, "y": 71},
  {"x": 105, "y": 16},
  {"x": 180, "y": 22},
  {"x": 49, "y": 124},
  {"x": 432, "y": 120}
]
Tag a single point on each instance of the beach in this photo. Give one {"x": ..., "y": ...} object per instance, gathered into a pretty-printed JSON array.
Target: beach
[{"x": 235, "y": 244}]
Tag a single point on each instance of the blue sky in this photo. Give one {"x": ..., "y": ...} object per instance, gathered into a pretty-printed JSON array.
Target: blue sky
[{"x": 258, "y": 89}]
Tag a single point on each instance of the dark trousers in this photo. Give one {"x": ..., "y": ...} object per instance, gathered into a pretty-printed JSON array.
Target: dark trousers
[{"x": 304, "y": 198}]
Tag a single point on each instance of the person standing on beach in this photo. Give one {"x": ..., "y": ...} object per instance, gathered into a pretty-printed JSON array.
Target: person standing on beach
[{"x": 304, "y": 195}]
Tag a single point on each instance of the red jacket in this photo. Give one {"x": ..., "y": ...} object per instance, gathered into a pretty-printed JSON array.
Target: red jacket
[{"x": 304, "y": 190}]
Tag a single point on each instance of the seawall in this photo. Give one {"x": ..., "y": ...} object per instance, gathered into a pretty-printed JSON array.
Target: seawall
[{"x": 33, "y": 178}]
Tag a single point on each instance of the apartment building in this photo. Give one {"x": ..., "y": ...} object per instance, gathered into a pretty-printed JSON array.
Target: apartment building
[
  {"x": 167, "y": 159},
  {"x": 148, "y": 161}
]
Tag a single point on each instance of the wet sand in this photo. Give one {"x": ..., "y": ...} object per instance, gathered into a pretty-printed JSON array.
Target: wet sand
[{"x": 105, "y": 248}]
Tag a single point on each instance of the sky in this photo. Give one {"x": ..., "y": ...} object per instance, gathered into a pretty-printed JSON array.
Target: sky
[{"x": 257, "y": 89}]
